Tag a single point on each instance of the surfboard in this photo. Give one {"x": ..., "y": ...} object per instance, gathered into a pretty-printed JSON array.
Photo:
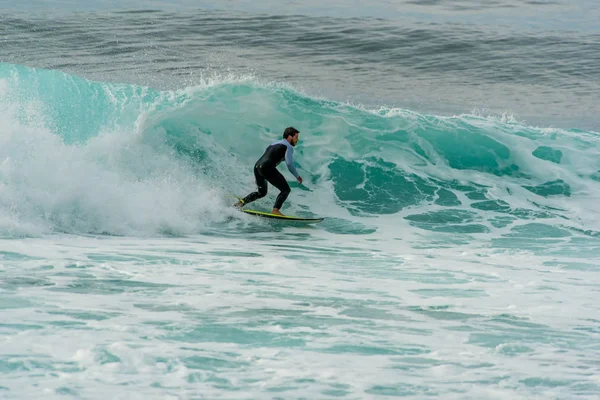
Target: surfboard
[
  {"x": 289, "y": 218},
  {"x": 284, "y": 217}
]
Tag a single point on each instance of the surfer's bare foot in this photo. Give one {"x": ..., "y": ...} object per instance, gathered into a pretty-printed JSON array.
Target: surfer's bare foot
[
  {"x": 276, "y": 211},
  {"x": 239, "y": 204}
]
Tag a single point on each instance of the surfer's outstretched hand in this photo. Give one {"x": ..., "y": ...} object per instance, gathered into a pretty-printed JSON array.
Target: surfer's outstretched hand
[{"x": 299, "y": 179}]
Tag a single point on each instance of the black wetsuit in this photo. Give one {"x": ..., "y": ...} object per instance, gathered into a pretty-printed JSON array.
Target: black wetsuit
[{"x": 265, "y": 170}]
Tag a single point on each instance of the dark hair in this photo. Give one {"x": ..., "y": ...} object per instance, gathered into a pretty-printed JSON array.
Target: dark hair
[{"x": 289, "y": 131}]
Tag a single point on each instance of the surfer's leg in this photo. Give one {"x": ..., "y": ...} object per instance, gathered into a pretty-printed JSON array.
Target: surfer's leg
[
  {"x": 278, "y": 180},
  {"x": 261, "y": 182}
]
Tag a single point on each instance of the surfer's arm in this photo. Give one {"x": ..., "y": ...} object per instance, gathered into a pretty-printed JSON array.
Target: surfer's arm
[{"x": 289, "y": 161}]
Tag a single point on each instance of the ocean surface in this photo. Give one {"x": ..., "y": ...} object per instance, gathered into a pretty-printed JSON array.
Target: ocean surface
[{"x": 453, "y": 148}]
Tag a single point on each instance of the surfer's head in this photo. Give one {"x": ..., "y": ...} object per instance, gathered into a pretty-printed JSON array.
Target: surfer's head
[{"x": 291, "y": 134}]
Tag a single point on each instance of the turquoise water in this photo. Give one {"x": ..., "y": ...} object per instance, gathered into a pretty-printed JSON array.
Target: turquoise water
[{"x": 459, "y": 253}]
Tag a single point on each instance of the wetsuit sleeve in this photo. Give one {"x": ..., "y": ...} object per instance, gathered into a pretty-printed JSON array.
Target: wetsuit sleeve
[{"x": 289, "y": 161}]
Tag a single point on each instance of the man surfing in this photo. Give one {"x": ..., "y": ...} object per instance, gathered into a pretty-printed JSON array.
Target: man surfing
[{"x": 265, "y": 170}]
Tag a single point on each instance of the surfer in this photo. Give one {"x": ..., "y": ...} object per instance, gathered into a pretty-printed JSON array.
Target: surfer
[{"x": 265, "y": 170}]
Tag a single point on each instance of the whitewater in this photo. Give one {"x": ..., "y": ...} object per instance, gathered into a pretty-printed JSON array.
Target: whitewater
[{"x": 458, "y": 257}]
